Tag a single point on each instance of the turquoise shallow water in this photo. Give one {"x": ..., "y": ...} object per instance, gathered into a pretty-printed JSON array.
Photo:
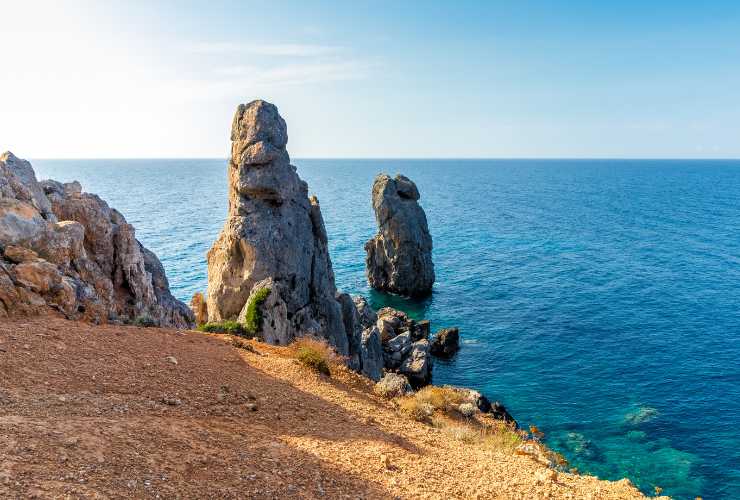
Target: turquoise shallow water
[{"x": 597, "y": 299}]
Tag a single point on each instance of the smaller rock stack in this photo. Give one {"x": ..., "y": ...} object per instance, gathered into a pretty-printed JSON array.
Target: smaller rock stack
[{"x": 399, "y": 257}]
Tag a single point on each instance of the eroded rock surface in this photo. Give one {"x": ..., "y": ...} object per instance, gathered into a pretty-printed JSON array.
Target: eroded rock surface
[
  {"x": 275, "y": 232},
  {"x": 67, "y": 250},
  {"x": 399, "y": 257}
]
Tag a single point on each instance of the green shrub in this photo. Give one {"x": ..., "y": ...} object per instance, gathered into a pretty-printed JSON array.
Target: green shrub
[
  {"x": 232, "y": 327},
  {"x": 253, "y": 317},
  {"x": 313, "y": 359},
  {"x": 314, "y": 353},
  {"x": 144, "y": 321}
]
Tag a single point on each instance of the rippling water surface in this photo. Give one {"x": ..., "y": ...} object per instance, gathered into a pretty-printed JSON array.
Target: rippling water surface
[{"x": 597, "y": 299}]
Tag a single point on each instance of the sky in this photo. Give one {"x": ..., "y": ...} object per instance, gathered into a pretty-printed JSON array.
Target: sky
[{"x": 456, "y": 79}]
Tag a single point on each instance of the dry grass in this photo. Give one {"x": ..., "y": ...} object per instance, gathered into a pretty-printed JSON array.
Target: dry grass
[
  {"x": 440, "y": 398},
  {"x": 497, "y": 436},
  {"x": 315, "y": 354}
]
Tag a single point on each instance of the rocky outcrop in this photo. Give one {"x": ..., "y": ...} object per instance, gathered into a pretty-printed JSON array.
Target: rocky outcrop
[
  {"x": 393, "y": 385},
  {"x": 275, "y": 234},
  {"x": 399, "y": 257},
  {"x": 446, "y": 343},
  {"x": 67, "y": 250}
]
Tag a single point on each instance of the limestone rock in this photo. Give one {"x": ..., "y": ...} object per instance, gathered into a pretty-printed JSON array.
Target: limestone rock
[
  {"x": 446, "y": 343},
  {"x": 393, "y": 385},
  {"x": 199, "y": 307},
  {"x": 371, "y": 354},
  {"x": 417, "y": 366},
  {"x": 367, "y": 315},
  {"x": 399, "y": 257},
  {"x": 274, "y": 231},
  {"x": 67, "y": 250}
]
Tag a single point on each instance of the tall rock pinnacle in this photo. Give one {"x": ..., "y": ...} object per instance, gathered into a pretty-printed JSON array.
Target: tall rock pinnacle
[
  {"x": 399, "y": 257},
  {"x": 274, "y": 238}
]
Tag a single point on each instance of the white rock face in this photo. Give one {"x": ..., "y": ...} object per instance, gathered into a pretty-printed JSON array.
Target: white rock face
[
  {"x": 275, "y": 232},
  {"x": 399, "y": 257},
  {"x": 67, "y": 250}
]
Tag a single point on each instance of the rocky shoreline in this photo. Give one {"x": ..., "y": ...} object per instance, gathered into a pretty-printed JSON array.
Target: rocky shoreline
[{"x": 270, "y": 275}]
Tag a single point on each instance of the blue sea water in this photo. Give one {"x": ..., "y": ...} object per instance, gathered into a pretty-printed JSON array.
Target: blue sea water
[{"x": 598, "y": 299}]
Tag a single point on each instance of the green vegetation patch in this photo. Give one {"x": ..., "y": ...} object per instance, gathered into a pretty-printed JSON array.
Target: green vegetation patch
[
  {"x": 253, "y": 317},
  {"x": 314, "y": 359},
  {"x": 232, "y": 327}
]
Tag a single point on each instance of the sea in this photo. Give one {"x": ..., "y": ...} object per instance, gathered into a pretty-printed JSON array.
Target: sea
[{"x": 596, "y": 299}]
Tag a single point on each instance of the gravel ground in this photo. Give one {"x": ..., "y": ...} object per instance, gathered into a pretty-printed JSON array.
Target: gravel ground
[{"x": 124, "y": 412}]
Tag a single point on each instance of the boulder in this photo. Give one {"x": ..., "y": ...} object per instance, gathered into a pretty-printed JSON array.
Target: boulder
[
  {"x": 399, "y": 257},
  {"x": 446, "y": 343},
  {"x": 422, "y": 329},
  {"x": 199, "y": 307},
  {"x": 417, "y": 365},
  {"x": 371, "y": 354},
  {"x": 366, "y": 314},
  {"x": 275, "y": 231},
  {"x": 393, "y": 385},
  {"x": 66, "y": 250}
]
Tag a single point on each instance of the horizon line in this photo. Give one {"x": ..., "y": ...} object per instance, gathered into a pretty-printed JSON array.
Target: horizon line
[{"x": 412, "y": 158}]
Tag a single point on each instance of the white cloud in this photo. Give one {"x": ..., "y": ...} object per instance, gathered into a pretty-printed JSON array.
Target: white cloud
[{"x": 264, "y": 49}]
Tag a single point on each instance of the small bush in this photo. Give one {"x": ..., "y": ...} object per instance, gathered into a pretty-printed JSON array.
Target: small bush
[
  {"x": 232, "y": 327},
  {"x": 315, "y": 354},
  {"x": 440, "y": 398},
  {"x": 253, "y": 316},
  {"x": 416, "y": 409},
  {"x": 144, "y": 321}
]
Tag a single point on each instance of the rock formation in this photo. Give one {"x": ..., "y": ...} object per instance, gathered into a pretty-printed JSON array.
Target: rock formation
[
  {"x": 66, "y": 250},
  {"x": 446, "y": 343},
  {"x": 274, "y": 238},
  {"x": 399, "y": 257}
]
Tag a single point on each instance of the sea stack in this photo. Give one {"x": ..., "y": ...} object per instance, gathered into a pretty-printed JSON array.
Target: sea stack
[
  {"x": 65, "y": 250},
  {"x": 399, "y": 257},
  {"x": 273, "y": 246}
]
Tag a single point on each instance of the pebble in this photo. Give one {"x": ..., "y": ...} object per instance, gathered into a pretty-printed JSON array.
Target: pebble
[
  {"x": 171, "y": 401},
  {"x": 172, "y": 359},
  {"x": 251, "y": 406}
]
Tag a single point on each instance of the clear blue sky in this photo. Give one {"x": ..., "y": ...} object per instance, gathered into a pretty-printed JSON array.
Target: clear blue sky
[{"x": 374, "y": 79}]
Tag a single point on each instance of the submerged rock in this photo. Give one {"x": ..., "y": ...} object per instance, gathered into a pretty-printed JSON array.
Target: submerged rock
[
  {"x": 275, "y": 234},
  {"x": 399, "y": 257},
  {"x": 67, "y": 250}
]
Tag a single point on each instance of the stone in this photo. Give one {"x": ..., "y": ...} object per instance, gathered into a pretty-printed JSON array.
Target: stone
[
  {"x": 371, "y": 354},
  {"x": 200, "y": 308},
  {"x": 67, "y": 250},
  {"x": 422, "y": 330},
  {"x": 446, "y": 343},
  {"x": 467, "y": 409},
  {"x": 418, "y": 365},
  {"x": 393, "y": 385},
  {"x": 273, "y": 231},
  {"x": 543, "y": 476},
  {"x": 366, "y": 314},
  {"x": 399, "y": 258},
  {"x": 171, "y": 359}
]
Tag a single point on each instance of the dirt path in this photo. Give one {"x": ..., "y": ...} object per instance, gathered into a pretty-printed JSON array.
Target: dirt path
[{"x": 120, "y": 412}]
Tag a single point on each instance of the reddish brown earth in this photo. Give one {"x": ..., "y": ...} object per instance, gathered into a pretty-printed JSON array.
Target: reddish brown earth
[{"x": 101, "y": 412}]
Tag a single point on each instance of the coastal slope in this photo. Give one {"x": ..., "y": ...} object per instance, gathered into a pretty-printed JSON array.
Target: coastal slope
[{"x": 124, "y": 411}]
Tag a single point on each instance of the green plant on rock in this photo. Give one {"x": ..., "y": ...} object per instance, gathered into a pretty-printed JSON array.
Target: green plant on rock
[
  {"x": 232, "y": 327},
  {"x": 253, "y": 316}
]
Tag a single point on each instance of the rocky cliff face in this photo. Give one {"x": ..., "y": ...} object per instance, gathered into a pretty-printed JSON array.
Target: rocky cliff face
[
  {"x": 399, "y": 257},
  {"x": 274, "y": 238},
  {"x": 67, "y": 250}
]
